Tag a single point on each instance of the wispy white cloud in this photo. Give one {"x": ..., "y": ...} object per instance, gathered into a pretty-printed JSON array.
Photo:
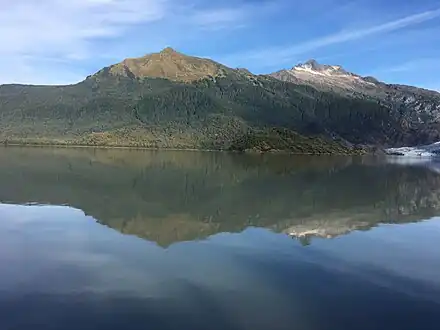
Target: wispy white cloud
[
  {"x": 65, "y": 27},
  {"x": 420, "y": 37},
  {"x": 32, "y": 31},
  {"x": 283, "y": 54},
  {"x": 234, "y": 16},
  {"x": 421, "y": 64},
  {"x": 57, "y": 35},
  {"x": 418, "y": 72},
  {"x": 219, "y": 17}
]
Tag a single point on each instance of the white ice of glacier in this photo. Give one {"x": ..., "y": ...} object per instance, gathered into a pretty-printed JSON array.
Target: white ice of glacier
[{"x": 430, "y": 150}]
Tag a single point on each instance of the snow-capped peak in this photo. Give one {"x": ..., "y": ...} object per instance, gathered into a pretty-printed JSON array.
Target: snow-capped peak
[{"x": 313, "y": 67}]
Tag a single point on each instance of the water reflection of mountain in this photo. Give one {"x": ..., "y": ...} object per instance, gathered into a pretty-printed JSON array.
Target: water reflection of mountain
[{"x": 174, "y": 196}]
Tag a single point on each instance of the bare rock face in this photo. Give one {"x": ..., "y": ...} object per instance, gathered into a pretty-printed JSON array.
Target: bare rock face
[{"x": 168, "y": 64}]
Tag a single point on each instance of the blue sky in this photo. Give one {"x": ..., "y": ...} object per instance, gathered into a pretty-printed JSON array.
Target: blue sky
[{"x": 60, "y": 41}]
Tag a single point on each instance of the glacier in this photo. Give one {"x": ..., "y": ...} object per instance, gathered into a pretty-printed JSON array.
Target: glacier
[{"x": 430, "y": 150}]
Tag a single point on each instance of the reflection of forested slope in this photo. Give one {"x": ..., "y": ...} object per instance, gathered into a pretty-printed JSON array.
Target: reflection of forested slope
[{"x": 172, "y": 196}]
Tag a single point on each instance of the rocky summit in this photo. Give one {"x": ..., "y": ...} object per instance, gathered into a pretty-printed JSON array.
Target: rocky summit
[
  {"x": 168, "y": 64},
  {"x": 172, "y": 100}
]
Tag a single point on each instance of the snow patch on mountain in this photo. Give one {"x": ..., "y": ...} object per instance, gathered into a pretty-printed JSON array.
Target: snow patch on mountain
[
  {"x": 314, "y": 67},
  {"x": 333, "y": 76}
]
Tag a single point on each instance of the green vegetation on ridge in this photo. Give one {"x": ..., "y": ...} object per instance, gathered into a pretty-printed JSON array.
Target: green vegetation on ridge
[{"x": 234, "y": 110}]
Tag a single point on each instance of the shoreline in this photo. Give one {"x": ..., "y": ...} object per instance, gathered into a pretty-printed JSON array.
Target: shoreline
[
  {"x": 81, "y": 146},
  {"x": 248, "y": 152}
]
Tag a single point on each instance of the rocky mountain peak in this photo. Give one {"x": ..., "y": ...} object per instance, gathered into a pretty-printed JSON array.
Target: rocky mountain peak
[
  {"x": 313, "y": 66},
  {"x": 168, "y": 64},
  {"x": 168, "y": 50},
  {"x": 332, "y": 78}
]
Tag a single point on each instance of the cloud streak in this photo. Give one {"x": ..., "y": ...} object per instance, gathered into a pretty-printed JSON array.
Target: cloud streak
[
  {"x": 28, "y": 26},
  {"x": 44, "y": 35},
  {"x": 418, "y": 65},
  {"x": 284, "y": 54},
  {"x": 219, "y": 16},
  {"x": 33, "y": 31},
  {"x": 230, "y": 16}
]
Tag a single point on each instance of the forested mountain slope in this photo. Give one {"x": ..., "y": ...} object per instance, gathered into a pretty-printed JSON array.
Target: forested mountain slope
[{"x": 171, "y": 100}]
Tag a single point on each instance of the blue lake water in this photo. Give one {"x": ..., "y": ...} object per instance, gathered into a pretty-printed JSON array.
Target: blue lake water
[{"x": 118, "y": 239}]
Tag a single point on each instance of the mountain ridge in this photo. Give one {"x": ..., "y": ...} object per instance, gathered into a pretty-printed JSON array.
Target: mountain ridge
[
  {"x": 172, "y": 100},
  {"x": 170, "y": 50},
  {"x": 412, "y": 104}
]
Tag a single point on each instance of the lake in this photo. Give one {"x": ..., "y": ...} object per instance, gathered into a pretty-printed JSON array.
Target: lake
[{"x": 124, "y": 239}]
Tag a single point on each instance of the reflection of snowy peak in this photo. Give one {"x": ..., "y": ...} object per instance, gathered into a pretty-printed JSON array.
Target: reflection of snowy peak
[{"x": 419, "y": 151}]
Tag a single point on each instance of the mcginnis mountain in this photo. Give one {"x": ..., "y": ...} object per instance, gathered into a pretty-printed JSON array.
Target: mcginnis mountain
[{"x": 171, "y": 100}]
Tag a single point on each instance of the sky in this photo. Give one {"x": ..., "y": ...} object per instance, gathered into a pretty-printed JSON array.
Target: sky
[{"x": 63, "y": 41}]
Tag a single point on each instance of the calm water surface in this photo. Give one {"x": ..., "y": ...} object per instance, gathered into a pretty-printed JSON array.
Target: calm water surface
[{"x": 117, "y": 239}]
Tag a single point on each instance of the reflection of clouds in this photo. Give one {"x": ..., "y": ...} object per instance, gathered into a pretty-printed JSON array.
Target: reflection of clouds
[
  {"x": 85, "y": 258},
  {"x": 95, "y": 259},
  {"x": 22, "y": 214},
  {"x": 253, "y": 279},
  {"x": 432, "y": 164},
  {"x": 88, "y": 259},
  {"x": 61, "y": 240},
  {"x": 407, "y": 160},
  {"x": 389, "y": 255}
]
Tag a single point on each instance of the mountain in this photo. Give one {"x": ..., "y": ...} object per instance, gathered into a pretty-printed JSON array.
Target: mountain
[
  {"x": 415, "y": 109},
  {"x": 171, "y": 100},
  {"x": 331, "y": 78},
  {"x": 169, "y": 64}
]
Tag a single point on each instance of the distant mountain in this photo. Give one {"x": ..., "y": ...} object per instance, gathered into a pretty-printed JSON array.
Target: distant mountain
[
  {"x": 171, "y": 100},
  {"x": 327, "y": 77},
  {"x": 414, "y": 108}
]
